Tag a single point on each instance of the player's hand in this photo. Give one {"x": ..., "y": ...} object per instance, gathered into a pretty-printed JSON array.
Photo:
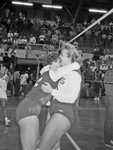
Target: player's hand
[{"x": 46, "y": 87}]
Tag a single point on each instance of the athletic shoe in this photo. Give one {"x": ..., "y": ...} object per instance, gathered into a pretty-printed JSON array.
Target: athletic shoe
[
  {"x": 98, "y": 98},
  {"x": 109, "y": 144},
  {"x": 7, "y": 122},
  {"x": 95, "y": 99}
]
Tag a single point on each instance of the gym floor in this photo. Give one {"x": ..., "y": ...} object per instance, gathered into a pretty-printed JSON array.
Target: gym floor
[{"x": 87, "y": 130}]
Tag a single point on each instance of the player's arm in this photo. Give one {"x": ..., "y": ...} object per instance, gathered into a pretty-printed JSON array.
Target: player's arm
[
  {"x": 44, "y": 69},
  {"x": 71, "y": 94},
  {"x": 62, "y": 71},
  {"x": 45, "y": 99}
]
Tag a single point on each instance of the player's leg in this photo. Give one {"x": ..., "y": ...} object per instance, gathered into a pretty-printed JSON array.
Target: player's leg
[
  {"x": 29, "y": 132},
  {"x": 57, "y": 126},
  {"x": 3, "y": 105},
  {"x": 57, "y": 145}
]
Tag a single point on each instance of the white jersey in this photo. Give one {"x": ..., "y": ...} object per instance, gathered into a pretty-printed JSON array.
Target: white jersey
[
  {"x": 68, "y": 88},
  {"x": 3, "y": 87}
]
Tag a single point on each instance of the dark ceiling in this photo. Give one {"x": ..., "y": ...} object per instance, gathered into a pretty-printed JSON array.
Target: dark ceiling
[{"x": 72, "y": 5}]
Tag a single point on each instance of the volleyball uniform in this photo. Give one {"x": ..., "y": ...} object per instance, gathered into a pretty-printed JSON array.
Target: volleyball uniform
[
  {"x": 3, "y": 86},
  {"x": 31, "y": 104},
  {"x": 66, "y": 95}
]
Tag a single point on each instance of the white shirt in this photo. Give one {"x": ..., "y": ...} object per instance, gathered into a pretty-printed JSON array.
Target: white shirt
[
  {"x": 68, "y": 88},
  {"x": 32, "y": 40},
  {"x": 23, "y": 79}
]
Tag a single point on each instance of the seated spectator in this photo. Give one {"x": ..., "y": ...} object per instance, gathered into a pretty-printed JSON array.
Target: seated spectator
[
  {"x": 44, "y": 30},
  {"x": 111, "y": 25},
  {"x": 62, "y": 42},
  {"x": 24, "y": 40},
  {"x": 20, "y": 40},
  {"x": 71, "y": 34},
  {"x": 10, "y": 37},
  {"x": 4, "y": 40},
  {"x": 93, "y": 20},
  {"x": 85, "y": 24},
  {"x": 93, "y": 67},
  {"x": 51, "y": 48},
  {"x": 55, "y": 39},
  {"x": 103, "y": 67},
  {"x": 10, "y": 34},
  {"x": 48, "y": 37},
  {"x": 9, "y": 41},
  {"x": 15, "y": 41},
  {"x": 16, "y": 34},
  {"x": 42, "y": 39},
  {"x": 32, "y": 39}
]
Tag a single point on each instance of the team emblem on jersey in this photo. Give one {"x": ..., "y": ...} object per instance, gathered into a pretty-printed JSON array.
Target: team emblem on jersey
[{"x": 62, "y": 81}]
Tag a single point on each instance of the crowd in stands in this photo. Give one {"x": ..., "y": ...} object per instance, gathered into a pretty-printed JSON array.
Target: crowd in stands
[{"x": 22, "y": 30}]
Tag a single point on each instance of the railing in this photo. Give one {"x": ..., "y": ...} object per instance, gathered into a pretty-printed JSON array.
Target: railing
[{"x": 32, "y": 46}]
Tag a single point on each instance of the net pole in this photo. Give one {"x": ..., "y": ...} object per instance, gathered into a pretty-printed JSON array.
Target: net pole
[
  {"x": 100, "y": 19},
  {"x": 72, "y": 141},
  {"x": 92, "y": 25}
]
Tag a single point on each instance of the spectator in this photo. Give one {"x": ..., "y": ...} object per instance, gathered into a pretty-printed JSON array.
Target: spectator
[
  {"x": 42, "y": 39},
  {"x": 32, "y": 39},
  {"x": 37, "y": 24},
  {"x": 20, "y": 40},
  {"x": 24, "y": 40},
  {"x": 93, "y": 20},
  {"x": 10, "y": 36},
  {"x": 23, "y": 82},
  {"x": 16, "y": 34},
  {"x": 16, "y": 78}
]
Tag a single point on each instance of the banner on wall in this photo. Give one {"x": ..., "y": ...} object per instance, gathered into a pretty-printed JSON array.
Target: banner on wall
[{"x": 41, "y": 1}]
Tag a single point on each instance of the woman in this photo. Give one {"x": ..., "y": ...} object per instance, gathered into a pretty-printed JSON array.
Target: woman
[
  {"x": 3, "y": 95},
  {"x": 62, "y": 104},
  {"x": 29, "y": 108}
]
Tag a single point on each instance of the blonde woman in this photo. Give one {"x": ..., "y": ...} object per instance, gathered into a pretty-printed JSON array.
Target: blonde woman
[
  {"x": 3, "y": 95},
  {"x": 62, "y": 103}
]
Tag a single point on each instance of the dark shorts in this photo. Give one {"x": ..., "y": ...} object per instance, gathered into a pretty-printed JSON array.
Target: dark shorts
[
  {"x": 65, "y": 109},
  {"x": 27, "y": 107}
]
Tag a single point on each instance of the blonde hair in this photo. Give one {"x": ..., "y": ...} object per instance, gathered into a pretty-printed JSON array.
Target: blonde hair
[{"x": 72, "y": 53}]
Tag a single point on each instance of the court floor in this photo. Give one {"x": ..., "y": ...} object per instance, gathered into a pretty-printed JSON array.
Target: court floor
[{"x": 87, "y": 129}]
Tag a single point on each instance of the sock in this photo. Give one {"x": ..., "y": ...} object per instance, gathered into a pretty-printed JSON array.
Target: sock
[{"x": 6, "y": 118}]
